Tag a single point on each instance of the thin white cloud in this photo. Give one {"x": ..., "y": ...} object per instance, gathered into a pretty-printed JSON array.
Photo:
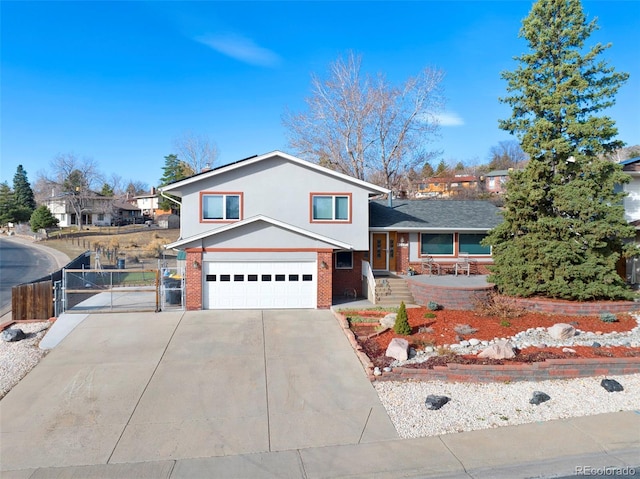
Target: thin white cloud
[
  {"x": 242, "y": 49},
  {"x": 448, "y": 118}
]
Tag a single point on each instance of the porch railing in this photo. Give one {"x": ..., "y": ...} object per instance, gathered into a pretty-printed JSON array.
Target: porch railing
[{"x": 367, "y": 273}]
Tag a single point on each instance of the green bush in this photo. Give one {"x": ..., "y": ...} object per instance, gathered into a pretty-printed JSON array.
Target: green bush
[
  {"x": 429, "y": 315},
  {"x": 402, "y": 321},
  {"x": 608, "y": 318}
]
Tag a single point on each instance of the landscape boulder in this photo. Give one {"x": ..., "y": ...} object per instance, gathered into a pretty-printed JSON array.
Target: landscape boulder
[
  {"x": 611, "y": 385},
  {"x": 435, "y": 402},
  {"x": 561, "y": 331},
  {"x": 539, "y": 397},
  {"x": 398, "y": 349},
  {"x": 498, "y": 350},
  {"x": 11, "y": 335},
  {"x": 388, "y": 321}
]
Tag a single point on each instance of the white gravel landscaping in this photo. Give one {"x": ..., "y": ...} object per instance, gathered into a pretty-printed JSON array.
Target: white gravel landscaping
[
  {"x": 19, "y": 357},
  {"x": 476, "y": 406}
]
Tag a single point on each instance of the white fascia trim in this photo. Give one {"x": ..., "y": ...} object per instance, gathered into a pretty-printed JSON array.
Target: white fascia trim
[
  {"x": 293, "y": 159},
  {"x": 266, "y": 219}
]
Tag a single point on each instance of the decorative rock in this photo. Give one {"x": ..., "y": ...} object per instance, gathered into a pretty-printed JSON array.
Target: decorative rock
[
  {"x": 568, "y": 350},
  {"x": 539, "y": 397},
  {"x": 434, "y": 402},
  {"x": 389, "y": 320},
  {"x": 474, "y": 342},
  {"x": 398, "y": 349},
  {"x": 561, "y": 331},
  {"x": 499, "y": 350},
  {"x": 386, "y": 369},
  {"x": 429, "y": 349},
  {"x": 376, "y": 371},
  {"x": 611, "y": 385},
  {"x": 11, "y": 335},
  {"x": 596, "y": 344},
  {"x": 464, "y": 343}
]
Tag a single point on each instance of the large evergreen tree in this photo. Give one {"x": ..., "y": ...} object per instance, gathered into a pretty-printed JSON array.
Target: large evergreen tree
[
  {"x": 564, "y": 228},
  {"x": 22, "y": 190},
  {"x": 173, "y": 170},
  {"x": 10, "y": 210}
]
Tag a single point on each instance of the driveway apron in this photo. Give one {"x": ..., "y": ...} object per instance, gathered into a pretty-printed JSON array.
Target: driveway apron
[{"x": 146, "y": 387}]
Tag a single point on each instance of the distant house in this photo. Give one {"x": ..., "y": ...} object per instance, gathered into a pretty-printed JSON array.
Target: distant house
[
  {"x": 445, "y": 187},
  {"x": 124, "y": 213},
  {"x": 95, "y": 209},
  {"x": 495, "y": 181},
  {"x": 149, "y": 204}
]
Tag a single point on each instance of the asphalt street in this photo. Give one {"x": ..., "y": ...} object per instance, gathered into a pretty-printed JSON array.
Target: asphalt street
[{"x": 20, "y": 263}]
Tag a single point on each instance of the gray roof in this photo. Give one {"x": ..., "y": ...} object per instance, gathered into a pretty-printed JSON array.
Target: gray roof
[
  {"x": 498, "y": 173},
  {"x": 434, "y": 214}
]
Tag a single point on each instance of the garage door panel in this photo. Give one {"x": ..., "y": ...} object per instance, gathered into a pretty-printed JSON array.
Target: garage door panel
[{"x": 260, "y": 285}]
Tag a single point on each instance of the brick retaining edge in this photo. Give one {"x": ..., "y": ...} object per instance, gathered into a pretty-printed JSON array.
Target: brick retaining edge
[{"x": 539, "y": 371}]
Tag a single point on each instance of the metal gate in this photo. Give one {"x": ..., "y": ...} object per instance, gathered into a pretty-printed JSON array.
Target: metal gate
[{"x": 100, "y": 290}]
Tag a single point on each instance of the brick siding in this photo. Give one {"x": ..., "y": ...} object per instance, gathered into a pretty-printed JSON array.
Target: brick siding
[
  {"x": 193, "y": 280},
  {"x": 325, "y": 288},
  {"x": 345, "y": 281}
]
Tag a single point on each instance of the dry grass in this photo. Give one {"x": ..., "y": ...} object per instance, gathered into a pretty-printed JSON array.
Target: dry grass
[{"x": 134, "y": 243}]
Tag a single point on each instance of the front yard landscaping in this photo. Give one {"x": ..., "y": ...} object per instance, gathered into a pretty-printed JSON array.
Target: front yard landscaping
[{"x": 438, "y": 336}]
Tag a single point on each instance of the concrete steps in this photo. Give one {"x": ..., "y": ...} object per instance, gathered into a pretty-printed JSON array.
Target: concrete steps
[{"x": 391, "y": 291}]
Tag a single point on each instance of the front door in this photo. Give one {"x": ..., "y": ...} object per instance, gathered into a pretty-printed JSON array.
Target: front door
[{"x": 379, "y": 251}]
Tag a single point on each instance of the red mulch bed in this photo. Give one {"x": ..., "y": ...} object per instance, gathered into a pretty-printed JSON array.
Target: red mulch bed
[{"x": 441, "y": 331}]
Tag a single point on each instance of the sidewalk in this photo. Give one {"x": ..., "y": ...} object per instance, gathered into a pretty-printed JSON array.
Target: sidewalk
[{"x": 535, "y": 450}]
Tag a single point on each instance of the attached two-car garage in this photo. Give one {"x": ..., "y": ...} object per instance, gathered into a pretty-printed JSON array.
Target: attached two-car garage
[{"x": 259, "y": 284}]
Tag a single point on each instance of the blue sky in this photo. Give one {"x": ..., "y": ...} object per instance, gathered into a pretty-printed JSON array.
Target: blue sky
[{"x": 119, "y": 81}]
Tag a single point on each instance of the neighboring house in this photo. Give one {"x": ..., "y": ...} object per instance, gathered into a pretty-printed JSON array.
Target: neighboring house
[
  {"x": 494, "y": 181},
  {"x": 632, "y": 213},
  {"x": 274, "y": 231},
  {"x": 632, "y": 200},
  {"x": 124, "y": 213},
  {"x": 96, "y": 210},
  {"x": 445, "y": 187},
  {"x": 148, "y": 204}
]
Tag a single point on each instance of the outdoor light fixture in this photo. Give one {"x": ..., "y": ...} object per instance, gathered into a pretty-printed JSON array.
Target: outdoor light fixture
[
  {"x": 323, "y": 265},
  {"x": 196, "y": 265}
]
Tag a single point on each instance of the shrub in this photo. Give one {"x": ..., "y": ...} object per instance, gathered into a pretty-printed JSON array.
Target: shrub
[
  {"x": 402, "y": 321},
  {"x": 433, "y": 306},
  {"x": 429, "y": 315},
  {"x": 499, "y": 306},
  {"x": 505, "y": 324},
  {"x": 608, "y": 318}
]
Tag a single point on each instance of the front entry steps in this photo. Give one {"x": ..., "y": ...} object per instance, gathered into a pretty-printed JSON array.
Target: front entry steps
[{"x": 391, "y": 290}]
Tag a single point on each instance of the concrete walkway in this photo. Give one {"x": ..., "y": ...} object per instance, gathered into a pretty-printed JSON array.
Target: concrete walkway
[{"x": 254, "y": 394}]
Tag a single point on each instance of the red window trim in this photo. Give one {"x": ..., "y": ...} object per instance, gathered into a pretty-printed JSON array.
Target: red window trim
[{"x": 217, "y": 193}]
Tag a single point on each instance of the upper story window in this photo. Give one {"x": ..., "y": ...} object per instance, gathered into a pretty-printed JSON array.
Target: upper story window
[
  {"x": 220, "y": 206},
  {"x": 331, "y": 207}
]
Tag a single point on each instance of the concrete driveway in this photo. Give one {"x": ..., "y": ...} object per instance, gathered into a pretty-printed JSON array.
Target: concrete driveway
[{"x": 140, "y": 387}]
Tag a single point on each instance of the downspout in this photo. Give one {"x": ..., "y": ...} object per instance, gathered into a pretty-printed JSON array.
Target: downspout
[{"x": 169, "y": 198}]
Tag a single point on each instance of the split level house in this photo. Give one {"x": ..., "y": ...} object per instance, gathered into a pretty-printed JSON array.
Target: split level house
[
  {"x": 275, "y": 231},
  {"x": 96, "y": 210}
]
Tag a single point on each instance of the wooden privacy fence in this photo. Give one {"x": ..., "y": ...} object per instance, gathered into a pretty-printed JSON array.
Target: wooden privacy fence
[{"x": 32, "y": 301}]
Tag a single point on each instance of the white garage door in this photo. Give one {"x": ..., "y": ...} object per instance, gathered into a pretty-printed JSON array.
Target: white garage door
[{"x": 260, "y": 285}]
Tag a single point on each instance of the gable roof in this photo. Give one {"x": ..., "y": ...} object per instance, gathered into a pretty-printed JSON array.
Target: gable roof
[
  {"x": 174, "y": 187},
  {"x": 434, "y": 215},
  {"x": 254, "y": 219}
]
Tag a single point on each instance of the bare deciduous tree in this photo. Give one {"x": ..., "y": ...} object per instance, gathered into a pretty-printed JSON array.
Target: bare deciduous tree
[
  {"x": 365, "y": 127},
  {"x": 196, "y": 151},
  {"x": 507, "y": 154}
]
